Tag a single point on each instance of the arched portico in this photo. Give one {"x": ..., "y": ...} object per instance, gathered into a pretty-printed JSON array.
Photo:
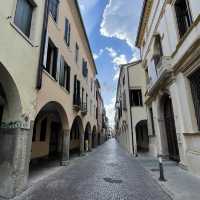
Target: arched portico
[
  {"x": 94, "y": 137},
  {"x": 77, "y": 137},
  {"x": 169, "y": 142},
  {"x": 88, "y": 138},
  {"x": 12, "y": 136},
  {"x": 50, "y": 140},
  {"x": 142, "y": 136}
]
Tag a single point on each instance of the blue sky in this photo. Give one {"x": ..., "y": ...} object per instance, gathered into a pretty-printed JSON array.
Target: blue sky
[{"x": 111, "y": 26}]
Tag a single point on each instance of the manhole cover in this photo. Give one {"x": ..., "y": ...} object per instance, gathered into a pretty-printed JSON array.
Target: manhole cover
[
  {"x": 155, "y": 170},
  {"x": 111, "y": 180}
]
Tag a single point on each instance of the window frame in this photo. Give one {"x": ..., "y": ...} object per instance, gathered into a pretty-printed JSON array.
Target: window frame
[
  {"x": 55, "y": 18},
  {"x": 19, "y": 29},
  {"x": 176, "y": 20},
  {"x": 139, "y": 97}
]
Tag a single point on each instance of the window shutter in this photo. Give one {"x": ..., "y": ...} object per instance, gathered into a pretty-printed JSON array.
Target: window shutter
[
  {"x": 68, "y": 78},
  {"x": 66, "y": 30},
  {"x": 55, "y": 59},
  {"x": 69, "y": 34},
  {"x": 62, "y": 72},
  {"x": 45, "y": 50}
]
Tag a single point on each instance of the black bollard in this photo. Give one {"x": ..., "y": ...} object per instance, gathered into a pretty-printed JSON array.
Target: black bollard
[{"x": 162, "y": 177}]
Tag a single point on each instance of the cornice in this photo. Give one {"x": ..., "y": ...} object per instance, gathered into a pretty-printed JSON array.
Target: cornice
[{"x": 143, "y": 21}]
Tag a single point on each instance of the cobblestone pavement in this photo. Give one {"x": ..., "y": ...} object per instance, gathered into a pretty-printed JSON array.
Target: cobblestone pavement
[{"x": 108, "y": 173}]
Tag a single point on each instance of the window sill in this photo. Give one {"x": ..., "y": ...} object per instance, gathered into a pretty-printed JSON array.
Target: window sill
[
  {"x": 54, "y": 22},
  {"x": 64, "y": 89},
  {"x": 53, "y": 79},
  {"x": 49, "y": 75},
  {"x": 22, "y": 34}
]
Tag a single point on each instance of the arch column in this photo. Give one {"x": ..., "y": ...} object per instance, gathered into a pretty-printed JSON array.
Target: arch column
[
  {"x": 82, "y": 144},
  {"x": 65, "y": 147},
  {"x": 90, "y": 141}
]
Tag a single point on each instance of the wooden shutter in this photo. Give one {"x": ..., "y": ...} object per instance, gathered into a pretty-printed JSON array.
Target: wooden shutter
[
  {"x": 45, "y": 50},
  {"x": 62, "y": 72},
  {"x": 68, "y": 78},
  {"x": 69, "y": 34},
  {"x": 54, "y": 68}
]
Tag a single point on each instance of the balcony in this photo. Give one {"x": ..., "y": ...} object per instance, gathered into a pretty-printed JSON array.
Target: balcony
[
  {"x": 163, "y": 72},
  {"x": 77, "y": 104},
  {"x": 84, "y": 109}
]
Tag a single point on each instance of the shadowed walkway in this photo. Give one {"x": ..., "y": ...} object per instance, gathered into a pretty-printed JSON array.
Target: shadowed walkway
[{"x": 108, "y": 173}]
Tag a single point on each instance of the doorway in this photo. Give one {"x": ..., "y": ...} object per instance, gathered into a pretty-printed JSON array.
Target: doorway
[{"x": 171, "y": 130}]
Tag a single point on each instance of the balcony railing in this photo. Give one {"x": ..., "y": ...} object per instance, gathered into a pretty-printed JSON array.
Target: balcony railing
[
  {"x": 77, "y": 103},
  {"x": 163, "y": 71},
  {"x": 84, "y": 109}
]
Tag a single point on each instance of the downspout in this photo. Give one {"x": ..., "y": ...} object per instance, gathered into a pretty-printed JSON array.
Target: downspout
[
  {"x": 130, "y": 113},
  {"x": 42, "y": 46}
]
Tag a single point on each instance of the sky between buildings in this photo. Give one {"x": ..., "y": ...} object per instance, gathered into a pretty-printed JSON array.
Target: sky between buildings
[{"x": 111, "y": 26}]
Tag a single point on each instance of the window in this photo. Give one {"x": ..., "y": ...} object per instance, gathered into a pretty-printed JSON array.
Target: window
[
  {"x": 158, "y": 52},
  {"x": 195, "y": 89},
  {"x": 84, "y": 69},
  {"x": 91, "y": 84},
  {"x": 183, "y": 15},
  {"x": 67, "y": 32},
  {"x": 43, "y": 130},
  {"x": 124, "y": 80},
  {"x": 77, "y": 88},
  {"x": 76, "y": 53},
  {"x": 64, "y": 75},
  {"x": 23, "y": 16},
  {"x": 52, "y": 54},
  {"x": 136, "y": 97},
  {"x": 53, "y": 8}
]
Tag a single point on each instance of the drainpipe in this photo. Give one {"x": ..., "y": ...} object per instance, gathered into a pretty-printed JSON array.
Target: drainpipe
[
  {"x": 42, "y": 45},
  {"x": 130, "y": 113}
]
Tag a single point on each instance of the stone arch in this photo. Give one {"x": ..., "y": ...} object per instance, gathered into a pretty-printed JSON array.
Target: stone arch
[
  {"x": 88, "y": 137},
  {"x": 10, "y": 100},
  {"x": 11, "y": 122},
  {"x": 142, "y": 137},
  {"x": 167, "y": 127},
  {"x": 94, "y": 136},
  {"x": 50, "y": 139},
  {"x": 77, "y": 137}
]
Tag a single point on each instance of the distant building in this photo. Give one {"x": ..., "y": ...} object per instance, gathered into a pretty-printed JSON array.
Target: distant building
[
  {"x": 168, "y": 38},
  {"x": 131, "y": 118}
]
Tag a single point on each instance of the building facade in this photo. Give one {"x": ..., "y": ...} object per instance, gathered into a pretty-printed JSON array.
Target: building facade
[
  {"x": 131, "y": 118},
  {"x": 47, "y": 88},
  {"x": 168, "y": 38}
]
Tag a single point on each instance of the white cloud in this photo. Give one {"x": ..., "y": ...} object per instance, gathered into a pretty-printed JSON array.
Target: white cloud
[
  {"x": 110, "y": 112},
  {"x": 111, "y": 51},
  {"x": 87, "y": 5},
  {"x": 120, "y": 19},
  {"x": 117, "y": 60},
  {"x": 97, "y": 55}
]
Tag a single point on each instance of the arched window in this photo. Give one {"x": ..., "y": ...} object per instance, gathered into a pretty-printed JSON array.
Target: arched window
[{"x": 158, "y": 52}]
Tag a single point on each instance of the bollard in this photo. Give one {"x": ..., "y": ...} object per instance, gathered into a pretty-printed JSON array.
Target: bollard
[{"x": 161, "y": 178}]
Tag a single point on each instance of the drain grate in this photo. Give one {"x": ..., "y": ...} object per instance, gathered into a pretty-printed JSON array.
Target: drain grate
[{"x": 111, "y": 180}]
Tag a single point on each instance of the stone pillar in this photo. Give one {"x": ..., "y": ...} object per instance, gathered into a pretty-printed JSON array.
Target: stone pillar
[
  {"x": 81, "y": 144},
  {"x": 15, "y": 150},
  {"x": 65, "y": 147},
  {"x": 90, "y": 141}
]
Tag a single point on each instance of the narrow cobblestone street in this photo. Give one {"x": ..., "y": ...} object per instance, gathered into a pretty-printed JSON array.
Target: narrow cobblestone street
[{"x": 106, "y": 173}]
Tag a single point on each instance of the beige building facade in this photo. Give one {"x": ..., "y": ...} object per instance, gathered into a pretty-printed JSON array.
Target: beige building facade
[
  {"x": 47, "y": 88},
  {"x": 131, "y": 118},
  {"x": 168, "y": 38}
]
